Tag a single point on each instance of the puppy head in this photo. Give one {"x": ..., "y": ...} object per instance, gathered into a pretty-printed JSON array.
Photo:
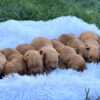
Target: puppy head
[
  {"x": 82, "y": 51},
  {"x": 93, "y": 53},
  {"x": 77, "y": 64},
  {"x": 56, "y": 44},
  {"x": 8, "y": 52},
  {"x": 22, "y": 48},
  {"x": 15, "y": 65},
  {"x": 34, "y": 62},
  {"x": 66, "y": 38},
  {"x": 50, "y": 59},
  {"x": 40, "y": 42},
  {"x": 88, "y": 35}
]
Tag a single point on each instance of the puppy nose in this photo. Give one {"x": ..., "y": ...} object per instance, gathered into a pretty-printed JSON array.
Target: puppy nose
[
  {"x": 91, "y": 59},
  {"x": 53, "y": 67}
]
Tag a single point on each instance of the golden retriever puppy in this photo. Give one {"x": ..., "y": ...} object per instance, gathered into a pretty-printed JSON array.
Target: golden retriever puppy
[
  {"x": 71, "y": 59},
  {"x": 76, "y": 62},
  {"x": 15, "y": 64},
  {"x": 56, "y": 44},
  {"x": 39, "y": 42},
  {"x": 68, "y": 57},
  {"x": 65, "y": 38},
  {"x": 88, "y": 35},
  {"x": 93, "y": 49},
  {"x": 90, "y": 40},
  {"x": 23, "y": 48},
  {"x": 2, "y": 64},
  {"x": 74, "y": 42},
  {"x": 9, "y": 51},
  {"x": 50, "y": 58},
  {"x": 34, "y": 62}
]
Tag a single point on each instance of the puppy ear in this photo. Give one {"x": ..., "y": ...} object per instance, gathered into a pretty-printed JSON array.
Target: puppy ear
[
  {"x": 10, "y": 58},
  {"x": 59, "y": 57},
  {"x": 25, "y": 56},
  {"x": 77, "y": 50},
  {"x": 44, "y": 59},
  {"x": 41, "y": 52}
]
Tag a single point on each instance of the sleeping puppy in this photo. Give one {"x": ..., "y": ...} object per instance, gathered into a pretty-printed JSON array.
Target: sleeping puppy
[
  {"x": 2, "y": 64},
  {"x": 50, "y": 58},
  {"x": 93, "y": 49},
  {"x": 39, "y": 42},
  {"x": 56, "y": 43},
  {"x": 72, "y": 41},
  {"x": 9, "y": 51},
  {"x": 90, "y": 41},
  {"x": 34, "y": 62},
  {"x": 68, "y": 57},
  {"x": 15, "y": 64},
  {"x": 71, "y": 59},
  {"x": 23, "y": 48},
  {"x": 76, "y": 62},
  {"x": 88, "y": 35}
]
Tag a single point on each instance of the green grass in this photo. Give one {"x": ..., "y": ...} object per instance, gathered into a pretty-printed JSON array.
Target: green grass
[
  {"x": 89, "y": 10},
  {"x": 87, "y": 97}
]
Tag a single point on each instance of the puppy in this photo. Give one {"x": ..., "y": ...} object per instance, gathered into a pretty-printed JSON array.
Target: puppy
[
  {"x": 76, "y": 62},
  {"x": 9, "y": 51},
  {"x": 93, "y": 49},
  {"x": 68, "y": 57},
  {"x": 34, "y": 62},
  {"x": 15, "y": 64},
  {"x": 72, "y": 41},
  {"x": 39, "y": 42},
  {"x": 2, "y": 64},
  {"x": 88, "y": 35},
  {"x": 23, "y": 48},
  {"x": 56, "y": 43},
  {"x": 50, "y": 58},
  {"x": 71, "y": 59},
  {"x": 90, "y": 40}
]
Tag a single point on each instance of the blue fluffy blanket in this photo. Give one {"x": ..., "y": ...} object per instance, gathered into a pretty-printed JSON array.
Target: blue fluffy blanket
[{"x": 59, "y": 84}]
